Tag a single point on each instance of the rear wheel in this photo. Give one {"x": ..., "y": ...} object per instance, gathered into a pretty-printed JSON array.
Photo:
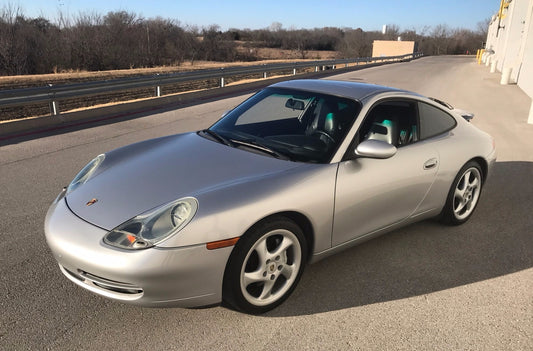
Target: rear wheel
[
  {"x": 464, "y": 195},
  {"x": 265, "y": 266}
]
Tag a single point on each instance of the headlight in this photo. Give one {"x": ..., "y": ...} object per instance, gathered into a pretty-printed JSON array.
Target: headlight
[
  {"x": 86, "y": 173},
  {"x": 152, "y": 227}
]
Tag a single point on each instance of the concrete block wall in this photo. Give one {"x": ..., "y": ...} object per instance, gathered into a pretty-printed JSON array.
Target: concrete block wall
[{"x": 392, "y": 48}]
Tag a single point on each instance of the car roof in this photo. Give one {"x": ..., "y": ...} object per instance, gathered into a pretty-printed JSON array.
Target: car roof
[{"x": 354, "y": 90}]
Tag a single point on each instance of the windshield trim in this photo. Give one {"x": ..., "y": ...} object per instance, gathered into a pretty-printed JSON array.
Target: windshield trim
[{"x": 347, "y": 109}]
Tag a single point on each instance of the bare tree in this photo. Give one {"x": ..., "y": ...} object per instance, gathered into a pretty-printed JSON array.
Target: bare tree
[
  {"x": 392, "y": 32},
  {"x": 216, "y": 46},
  {"x": 483, "y": 27},
  {"x": 12, "y": 57},
  {"x": 191, "y": 42},
  {"x": 275, "y": 27},
  {"x": 440, "y": 35},
  {"x": 122, "y": 39},
  {"x": 86, "y": 41}
]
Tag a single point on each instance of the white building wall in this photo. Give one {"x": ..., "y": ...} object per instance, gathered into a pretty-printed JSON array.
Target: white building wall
[
  {"x": 508, "y": 40},
  {"x": 517, "y": 38},
  {"x": 510, "y": 45},
  {"x": 525, "y": 78},
  {"x": 506, "y": 25},
  {"x": 495, "y": 40},
  {"x": 491, "y": 36}
]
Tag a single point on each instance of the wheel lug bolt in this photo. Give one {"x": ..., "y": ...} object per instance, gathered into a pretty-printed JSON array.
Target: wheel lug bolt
[
  {"x": 280, "y": 267},
  {"x": 268, "y": 261},
  {"x": 272, "y": 277},
  {"x": 264, "y": 274},
  {"x": 277, "y": 258}
]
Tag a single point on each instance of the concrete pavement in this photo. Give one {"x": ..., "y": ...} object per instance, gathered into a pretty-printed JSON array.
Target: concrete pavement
[{"x": 424, "y": 287}]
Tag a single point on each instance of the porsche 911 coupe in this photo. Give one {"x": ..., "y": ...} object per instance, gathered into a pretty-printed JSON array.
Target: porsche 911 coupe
[{"x": 233, "y": 213}]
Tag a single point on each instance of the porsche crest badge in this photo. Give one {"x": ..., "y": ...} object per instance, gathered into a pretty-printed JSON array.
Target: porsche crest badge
[{"x": 91, "y": 202}]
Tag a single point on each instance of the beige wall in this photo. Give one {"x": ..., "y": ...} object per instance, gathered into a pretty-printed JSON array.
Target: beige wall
[{"x": 392, "y": 48}]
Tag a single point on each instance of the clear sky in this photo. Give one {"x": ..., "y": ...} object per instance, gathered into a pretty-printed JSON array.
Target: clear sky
[{"x": 254, "y": 14}]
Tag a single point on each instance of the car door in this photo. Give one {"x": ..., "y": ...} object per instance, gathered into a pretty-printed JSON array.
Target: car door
[{"x": 372, "y": 194}]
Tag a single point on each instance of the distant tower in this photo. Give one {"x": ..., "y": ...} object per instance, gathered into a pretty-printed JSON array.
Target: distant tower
[{"x": 384, "y": 30}]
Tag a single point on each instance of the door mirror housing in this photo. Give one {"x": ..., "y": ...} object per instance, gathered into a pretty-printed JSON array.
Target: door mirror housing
[{"x": 375, "y": 149}]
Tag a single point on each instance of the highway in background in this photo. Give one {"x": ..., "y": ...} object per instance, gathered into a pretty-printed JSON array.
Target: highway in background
[{"x": 425, "y": 287}]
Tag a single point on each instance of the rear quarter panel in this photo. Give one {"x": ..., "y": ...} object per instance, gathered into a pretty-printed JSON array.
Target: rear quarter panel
[{"x": 457, "y": 147}]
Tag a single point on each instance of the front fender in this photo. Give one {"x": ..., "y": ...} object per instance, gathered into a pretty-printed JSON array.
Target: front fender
[{"x": 230, "y": 211}]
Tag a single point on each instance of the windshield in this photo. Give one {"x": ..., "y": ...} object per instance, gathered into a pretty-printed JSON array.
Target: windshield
[{"x": 295, "y": 125}]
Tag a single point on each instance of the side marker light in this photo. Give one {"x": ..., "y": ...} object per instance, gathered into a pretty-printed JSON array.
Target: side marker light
[{"x": 221, "y": 243}]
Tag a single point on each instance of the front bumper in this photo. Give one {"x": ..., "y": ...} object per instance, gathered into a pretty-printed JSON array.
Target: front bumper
[{"x": 185, "y": 277}]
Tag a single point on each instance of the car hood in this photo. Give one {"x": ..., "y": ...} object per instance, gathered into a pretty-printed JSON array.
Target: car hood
[{"x": 142, "y": 176}]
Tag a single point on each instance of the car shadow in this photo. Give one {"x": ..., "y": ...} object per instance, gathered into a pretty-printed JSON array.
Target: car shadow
[{"x": 428, "y": 257}]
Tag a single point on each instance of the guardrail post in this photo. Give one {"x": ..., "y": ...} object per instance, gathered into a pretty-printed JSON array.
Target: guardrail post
[
  {"x": 264, "y": 75},
  {"x": 158, "y": 88},
  {"x": 222, "y": 82},
  {"x": 294, "y": 71},
  {"x": 54, "y": 110},
  {"x": 316, "y": 68}
]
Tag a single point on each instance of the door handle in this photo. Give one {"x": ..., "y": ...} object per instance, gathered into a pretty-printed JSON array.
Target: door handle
[{"x": 431, "y": 163}]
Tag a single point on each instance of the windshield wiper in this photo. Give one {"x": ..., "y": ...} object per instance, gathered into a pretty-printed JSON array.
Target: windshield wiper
[
  {"x": 218, "y": 137},
  {"x": 252, "y": 144}
]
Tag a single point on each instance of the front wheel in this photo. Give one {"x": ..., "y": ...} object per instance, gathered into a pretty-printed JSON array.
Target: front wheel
[
  {"x": 464, "y": 195},
  {"x": 265, "y": 266}
]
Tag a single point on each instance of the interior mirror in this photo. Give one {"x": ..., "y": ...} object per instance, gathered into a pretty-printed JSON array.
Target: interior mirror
[
  {"x": 295, "y": 104},
  {"x": 375, "y": 149}
]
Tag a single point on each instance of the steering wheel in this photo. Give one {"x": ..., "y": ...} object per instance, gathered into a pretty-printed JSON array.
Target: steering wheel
[{"x": 320, "y": 132}]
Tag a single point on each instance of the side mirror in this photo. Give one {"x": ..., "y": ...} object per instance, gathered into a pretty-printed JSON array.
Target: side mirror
[{"x": 375, "y": 149}]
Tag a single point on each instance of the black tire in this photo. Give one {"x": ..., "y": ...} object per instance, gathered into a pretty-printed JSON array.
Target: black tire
[
  {"x": 265, "y": 266},
  {"x": 464, "y": 195}
]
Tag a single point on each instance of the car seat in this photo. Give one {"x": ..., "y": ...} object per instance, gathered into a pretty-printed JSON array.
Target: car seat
[
  {"x": 325, "y": 121},
  {"x": 386, "y": 130}
]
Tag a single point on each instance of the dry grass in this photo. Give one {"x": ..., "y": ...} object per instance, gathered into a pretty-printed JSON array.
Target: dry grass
[
  {"x": 272, "y": 55},
  {"x": 13, "y": 82}
]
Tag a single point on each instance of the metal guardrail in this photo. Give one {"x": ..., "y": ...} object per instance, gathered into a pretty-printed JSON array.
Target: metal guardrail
[{"x": 53, "y": 94}]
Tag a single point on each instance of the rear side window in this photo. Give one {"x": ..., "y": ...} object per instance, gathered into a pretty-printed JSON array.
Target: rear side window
[{"x": 433, "y": 121}]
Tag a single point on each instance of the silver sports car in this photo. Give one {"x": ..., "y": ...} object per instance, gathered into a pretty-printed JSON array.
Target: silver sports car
[{"x": 295, "y": 173}]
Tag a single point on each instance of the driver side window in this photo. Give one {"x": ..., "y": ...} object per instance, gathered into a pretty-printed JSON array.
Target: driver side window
[{"x": 393, "y": 122}]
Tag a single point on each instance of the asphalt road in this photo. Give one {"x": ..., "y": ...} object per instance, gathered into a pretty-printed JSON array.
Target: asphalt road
[{"x": 425, "y": 287}]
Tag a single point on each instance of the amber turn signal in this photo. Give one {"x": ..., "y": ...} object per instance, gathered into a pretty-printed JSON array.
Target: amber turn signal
[{"x": 221, "y": 243}]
